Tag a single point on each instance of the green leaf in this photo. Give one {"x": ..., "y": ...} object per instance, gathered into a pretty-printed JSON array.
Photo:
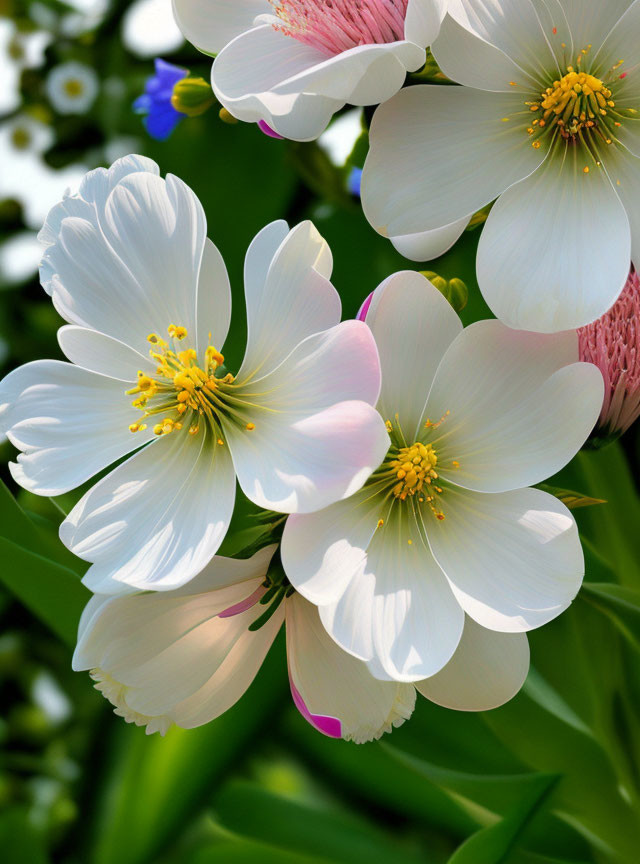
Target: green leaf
[
  {"x": 572, "y": 500},
  {"x": 252, "y": 811},
  {"x": 52, "y": 592},
  {"x": 242, "y": 851},
  {"x": 620, "y": 603},
  {"x": 494, "y": 793},
  {"x": 493, "y": 844},
  {"x": 371, "y": 775}
]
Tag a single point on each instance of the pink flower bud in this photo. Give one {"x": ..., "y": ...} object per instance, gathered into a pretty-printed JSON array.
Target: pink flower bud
[{"x": 611, "y": 343}]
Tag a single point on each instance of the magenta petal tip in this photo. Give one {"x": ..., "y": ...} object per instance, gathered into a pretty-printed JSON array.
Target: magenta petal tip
[
  {"x": 362, "y": 313},
  {"x": 264, "y": 127},
  {"x": 329, "y": 726}
]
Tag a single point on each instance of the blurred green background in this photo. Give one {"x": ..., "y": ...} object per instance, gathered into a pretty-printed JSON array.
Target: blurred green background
[{"x": 551, "y": 777}]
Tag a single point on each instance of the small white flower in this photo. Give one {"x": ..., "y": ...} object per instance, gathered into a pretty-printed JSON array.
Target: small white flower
[
  {"x": 72, "y": 87},
  {"x": 147, "y": 295},
  {"x": 445, "y": 526},
  {"x": 186, "y": 656},
  {"x": 294, "y": 63},
  {"x": 547, "y": 121}
]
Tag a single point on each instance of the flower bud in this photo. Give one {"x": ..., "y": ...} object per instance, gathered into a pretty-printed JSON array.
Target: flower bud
[
  {"x": 611, "y": 343},
  {"x": 192, "y": 96},
  {"x": 454, "y": 289}
]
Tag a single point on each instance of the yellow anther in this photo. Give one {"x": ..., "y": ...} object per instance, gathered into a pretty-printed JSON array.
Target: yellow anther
[
  {"x": 410, "y": 542},
  {"x": 220, "y": 442},
  {"x": 250, "y": 427},
  {"x": 380, "y": 523},
  {"x": 177, "y": 332},
  {"x": 455, "y": 463},
  {"x": 586, "y": 169},
  {"x": 145, "y": 383},
  {"x": 134, "y": 427},
  {"x": 193, "y": 430},
  {"x": 153, "y": 338}
]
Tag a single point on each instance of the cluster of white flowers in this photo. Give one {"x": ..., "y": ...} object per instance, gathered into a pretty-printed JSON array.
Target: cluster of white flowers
[{"x": 402, "y": 448}]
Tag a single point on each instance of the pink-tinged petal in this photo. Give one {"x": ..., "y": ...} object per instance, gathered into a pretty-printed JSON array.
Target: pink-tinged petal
[
  {"x": 243, "y": 605},
  {"x": 362, "y": 312},
  {"x": 329, "y": 726},
  {"x": 263, "y": 126},
  {"x": 315, "y": 437},
  {"x": 333, "y": 691}
]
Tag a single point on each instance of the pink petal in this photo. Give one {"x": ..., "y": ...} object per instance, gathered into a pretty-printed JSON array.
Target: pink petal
[{"x": 329, "y": 726}]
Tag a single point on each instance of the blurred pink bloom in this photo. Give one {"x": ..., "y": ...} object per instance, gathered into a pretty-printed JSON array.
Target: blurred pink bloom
[{"x": 611, "y": 343}]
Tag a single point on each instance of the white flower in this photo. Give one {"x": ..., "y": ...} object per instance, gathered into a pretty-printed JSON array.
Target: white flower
[
  {"x": 129, "y": 265},
  {"x": 546, "y": 122},
  {"x": 294, "y": 63},
  {"x": 445, "y": 526},
  {"x": 72, "y": 88},
  {"x": 186, "y": 656}
]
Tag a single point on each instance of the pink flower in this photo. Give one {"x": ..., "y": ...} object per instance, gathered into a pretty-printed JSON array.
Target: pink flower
[
  {"x": 294, "y": 63},
  {"x": 611, "y": 343}
]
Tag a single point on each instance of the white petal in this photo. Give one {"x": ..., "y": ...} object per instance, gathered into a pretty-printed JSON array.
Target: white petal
[
  {"x": 427, "y": 144},
  {"x": 399, "y": 608},
  {"x": 213, "y": 306},
  {"x": 466, "y": 58},
  {"x": 590, "y": 24},
  {"x": 157, "y": 519},
  {"x": 288, "y": 293},
  {"x": 70, "y": 423},
  {"x": 538, "y": 265},
  {"x": 158, "y": 229},
  {"x": 321, "y": 552},
  {"x": 233, "y": 676},
  {"x": 312, "y": 444},
  {"x": 423, "y": 20},
  {"x": 167, "y": 658},
  {"x": 428, "y": 245},
  {"x": 103, "y": 354},
  {"x": 333, "y": 691},
  {"x": 514, "y": 27},
  {"x": 487, "y": 670},
  {"x": 136, "y": 271},
  {"x": 209, "y": 26},
  {"x": 622, "y": 44},
  {"x": 91, "y": 198},
  {"x": 513, "y": 560},
  {"x": 413, "y": 325},
  {"x": 624, "y": 173},
  {"x": 520, "y": 408},
  {"x": 263, "y": 73}
]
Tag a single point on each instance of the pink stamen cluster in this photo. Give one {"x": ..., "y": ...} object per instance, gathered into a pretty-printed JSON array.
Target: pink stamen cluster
[
  {"x": 334, "y": 26},
  {"x": 612, "y": 344}
]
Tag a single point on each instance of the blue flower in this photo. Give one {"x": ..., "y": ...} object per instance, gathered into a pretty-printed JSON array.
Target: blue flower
[
  {"x": 161, "y": 117},
  {"x": 353, "y": 181}
]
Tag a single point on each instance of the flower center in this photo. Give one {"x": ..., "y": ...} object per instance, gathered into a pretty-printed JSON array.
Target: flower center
[
  {"x": 414, "y": 468},
  {"x": 334, "y": 26},
  {"x": 184, "y": 390},
  {"x": 577, "y": 101},
  {"x": 73, "y": 87},
  {"x": 579, "y": 108}
]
